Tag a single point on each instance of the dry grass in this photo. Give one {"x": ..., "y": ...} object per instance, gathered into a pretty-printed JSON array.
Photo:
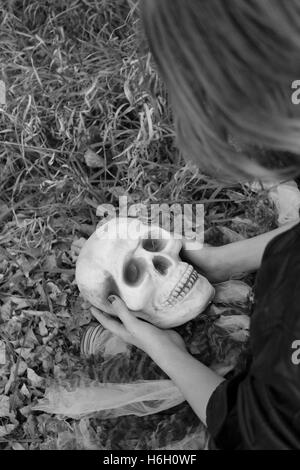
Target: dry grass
[{"x": 80, "y": 82}]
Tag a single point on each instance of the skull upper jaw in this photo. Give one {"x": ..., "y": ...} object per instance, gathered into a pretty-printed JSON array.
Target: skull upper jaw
[{"x": 183, "y": 311}]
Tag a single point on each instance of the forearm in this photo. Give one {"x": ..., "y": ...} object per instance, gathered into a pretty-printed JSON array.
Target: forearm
[
  {"x": 196, "y": 381},
  {"x": 246, "y": 255},
  {"x": 239, "y": 257}
]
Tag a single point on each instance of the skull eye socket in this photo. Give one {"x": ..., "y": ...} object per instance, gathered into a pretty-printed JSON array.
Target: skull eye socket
[
  {"x": 153, "y": 244},
  {"x": 132, "y": 272}
]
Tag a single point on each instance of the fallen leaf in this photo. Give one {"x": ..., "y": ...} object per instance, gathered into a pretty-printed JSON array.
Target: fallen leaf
[
  {"x": 7, "y": 429},
  {"x": 50, "y": 263},
  {"x": 42, "y": 327},
  {"x": 62, "y": 299},
  {"x": 31, "y": 339},
  {"x": 19, "y": 303},
  {"x": 26, "y": 410},
  {"x": 10, "y": 380},
  {"x": 24, "y": 390},
  {"x": 2, "y": 353},
  {"x": 22, "y": 366},
  {"x": 93, "y": 160},
  {"x": 53, "y": 290},
  {"x": 4, "y": 406},
  {"x": 76, "y": 247},
  {"x": 35, "y": 379},
  {"x": 26, "y": 265},
  {"x": 17, "y": 446},
  {"x": 24, "y": 352},
  {"x": 5, "y": 311},
  {"x": 63, "y": 314}
]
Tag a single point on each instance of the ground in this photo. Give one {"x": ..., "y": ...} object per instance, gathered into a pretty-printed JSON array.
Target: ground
[{"x": 86, "y": 120}]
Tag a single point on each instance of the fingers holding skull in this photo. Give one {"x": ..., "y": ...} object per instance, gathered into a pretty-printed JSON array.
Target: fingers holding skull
[
  {"x": 133, "y": 330},
  {"x": 119, "y": 308},
  {"x": 114, "y": 326},
  {"x": 129, "y": 328}
]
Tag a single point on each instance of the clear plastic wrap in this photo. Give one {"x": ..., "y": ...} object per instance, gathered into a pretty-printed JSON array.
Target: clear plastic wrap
[{"x": 111, "y": 399}]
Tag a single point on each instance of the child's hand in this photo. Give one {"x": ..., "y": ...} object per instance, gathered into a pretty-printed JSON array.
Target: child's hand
[
  {"x": 205, "y": 259},
  {"x": 140, "y": 333}
]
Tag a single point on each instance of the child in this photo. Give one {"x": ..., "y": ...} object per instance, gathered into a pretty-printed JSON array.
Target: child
[{"x": 229, "y": 66}]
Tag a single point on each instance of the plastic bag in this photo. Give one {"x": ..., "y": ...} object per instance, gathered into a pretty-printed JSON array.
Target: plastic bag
[
  {"x": 232, "y": 292},
  {"x": 285, "y": 196},
  {"x": 111, "y": 399},
  {"x": 194, "y": 441},
  {"x": 237, "y": 326}
]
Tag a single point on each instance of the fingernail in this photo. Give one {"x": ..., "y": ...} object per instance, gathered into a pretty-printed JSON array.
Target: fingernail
[{"x": 111, "y": 299}]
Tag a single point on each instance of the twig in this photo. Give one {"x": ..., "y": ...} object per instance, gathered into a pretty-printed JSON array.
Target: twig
[{"x": 24, "y": 441}]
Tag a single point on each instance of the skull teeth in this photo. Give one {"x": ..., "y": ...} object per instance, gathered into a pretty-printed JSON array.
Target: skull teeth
[{"x": 183, "y": 287}]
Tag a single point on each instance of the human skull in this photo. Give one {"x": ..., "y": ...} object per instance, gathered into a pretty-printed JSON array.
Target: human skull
[{"x": 141, "y": 264}]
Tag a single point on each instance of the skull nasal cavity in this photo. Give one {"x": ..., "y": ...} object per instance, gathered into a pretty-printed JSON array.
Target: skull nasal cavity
[{"x": 161, "y": 264}]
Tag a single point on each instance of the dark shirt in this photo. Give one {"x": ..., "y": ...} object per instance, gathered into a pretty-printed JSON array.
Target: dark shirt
[{"x": 260, "y": 409}]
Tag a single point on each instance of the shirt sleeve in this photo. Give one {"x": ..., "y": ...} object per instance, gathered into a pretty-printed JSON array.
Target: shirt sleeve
[{"x": 222, "y": 416}]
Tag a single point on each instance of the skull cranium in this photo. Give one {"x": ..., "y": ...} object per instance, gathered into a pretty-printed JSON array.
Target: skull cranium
[{"x": 141, "y": 264}]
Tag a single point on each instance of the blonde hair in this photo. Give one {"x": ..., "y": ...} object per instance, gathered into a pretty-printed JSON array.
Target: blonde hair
[{"x": 229, "y": 67}]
